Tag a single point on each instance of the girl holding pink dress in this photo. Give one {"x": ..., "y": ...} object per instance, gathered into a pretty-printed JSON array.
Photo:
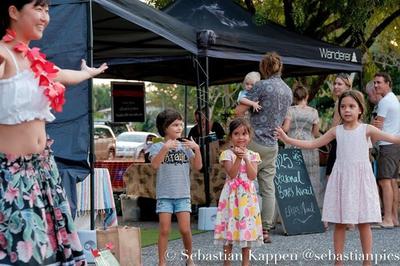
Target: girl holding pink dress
[
  {"x": 238, "y": 218},
  {"x": 351, "y": 195}
]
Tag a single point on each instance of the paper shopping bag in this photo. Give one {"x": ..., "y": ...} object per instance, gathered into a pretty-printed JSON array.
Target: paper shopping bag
[{"x": 126, "y": 242}]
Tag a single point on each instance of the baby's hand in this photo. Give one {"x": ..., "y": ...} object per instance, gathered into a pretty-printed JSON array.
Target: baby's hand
[
  {"x": 280, "y": 134},
  {"x": 256, "y": 107}
]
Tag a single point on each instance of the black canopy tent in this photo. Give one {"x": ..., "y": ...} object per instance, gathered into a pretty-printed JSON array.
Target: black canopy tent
[
  {"x": 140, "y": 42},
  {"x": 201, "y": 43},
  {"x": 161, "y": 47}
]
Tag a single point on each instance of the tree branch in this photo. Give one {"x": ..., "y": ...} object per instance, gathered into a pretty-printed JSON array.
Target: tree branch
[
  {"x": 316, "y": 20},
  {"x": 250, "y": 6},
  {"x": 381, "y": 27},
  {"x": 356, "y": 39},
  {"x": 288, "y": 9},
  {"x": 325, "y": 30},
  {"x": 346, "y": 34}
]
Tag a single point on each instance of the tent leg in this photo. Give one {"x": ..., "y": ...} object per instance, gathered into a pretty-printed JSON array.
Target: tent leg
[
  {"x": 90, "y": 88},
  {"x": 185, "y": 112},
  {"x": 201, "y": 67}
]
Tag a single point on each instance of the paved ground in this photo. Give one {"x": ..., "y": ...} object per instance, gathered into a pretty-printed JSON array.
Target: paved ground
[{"x": 312, "y": 249}]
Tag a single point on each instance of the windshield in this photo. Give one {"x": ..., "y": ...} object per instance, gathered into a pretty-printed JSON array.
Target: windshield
[{"x": 132, "y": 138}]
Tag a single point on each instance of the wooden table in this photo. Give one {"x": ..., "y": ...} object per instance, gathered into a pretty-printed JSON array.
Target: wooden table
[{"x": 140, "y": 180}]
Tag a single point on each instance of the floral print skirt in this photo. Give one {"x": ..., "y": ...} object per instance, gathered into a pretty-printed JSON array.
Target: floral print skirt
[
  {"x": 238, "y": 219},
  {"x": 36, "y": 226}
]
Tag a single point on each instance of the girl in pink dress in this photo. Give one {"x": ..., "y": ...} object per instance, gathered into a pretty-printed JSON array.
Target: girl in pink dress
[
  {"x": 238, "y": 218},
  {"x": 351, "y": 195}
]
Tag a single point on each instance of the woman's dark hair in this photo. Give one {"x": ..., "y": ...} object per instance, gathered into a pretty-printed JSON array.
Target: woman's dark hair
[
  {"x": 299, "y": 93},
  {"x": 166, "y": 118},
  {"x": 357, "y": 96},
  {"x": 19, "y": 4},
  {"x": 238, "y": 122}
]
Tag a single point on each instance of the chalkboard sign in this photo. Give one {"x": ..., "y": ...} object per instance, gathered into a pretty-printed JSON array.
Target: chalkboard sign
[
  {"x": 295, "y": 196},
  {"x": 128, "y": 101}
]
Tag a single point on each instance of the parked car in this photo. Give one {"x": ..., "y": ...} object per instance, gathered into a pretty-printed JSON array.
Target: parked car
[
  {"x": 134, "y": 144},
  {"x": 117, "y": 127},
  {"x": 104, "y": 142}
]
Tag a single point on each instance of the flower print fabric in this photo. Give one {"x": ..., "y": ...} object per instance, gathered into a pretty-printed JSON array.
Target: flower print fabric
[
  {"x": 36, "y": 226},
  {"x": 238, "y": 219}
]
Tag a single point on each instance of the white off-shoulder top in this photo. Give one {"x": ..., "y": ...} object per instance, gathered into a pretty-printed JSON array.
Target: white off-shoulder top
[{"x": 21, "y": 98}]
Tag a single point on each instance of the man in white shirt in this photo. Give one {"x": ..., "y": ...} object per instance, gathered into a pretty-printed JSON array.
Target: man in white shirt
[{"x": 388, "y": 120}]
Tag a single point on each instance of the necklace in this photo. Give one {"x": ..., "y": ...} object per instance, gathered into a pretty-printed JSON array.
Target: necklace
[{"x": 45, "y": 71}]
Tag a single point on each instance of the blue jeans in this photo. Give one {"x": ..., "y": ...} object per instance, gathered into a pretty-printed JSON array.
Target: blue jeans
[{"x": 173, "y": 205}]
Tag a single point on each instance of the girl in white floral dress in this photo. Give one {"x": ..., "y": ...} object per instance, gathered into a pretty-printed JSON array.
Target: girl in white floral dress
[{"x": 238, "y": 218}]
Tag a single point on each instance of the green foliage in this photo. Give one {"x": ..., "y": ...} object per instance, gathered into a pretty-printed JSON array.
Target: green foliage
[
  {"x": 164, "y": 96},
  {"x": 101, "y": 97},
  {"x": 264, "y": 14},
  {"x": 149, "y": 123},
  {"x": 325, "y": 104},
  {"x": 222, "y": 100},
  {"x": 159, "y": 3}
]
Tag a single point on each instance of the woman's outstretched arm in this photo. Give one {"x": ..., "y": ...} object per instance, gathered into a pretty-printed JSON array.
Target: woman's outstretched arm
[{"x": 72, "y": 77}]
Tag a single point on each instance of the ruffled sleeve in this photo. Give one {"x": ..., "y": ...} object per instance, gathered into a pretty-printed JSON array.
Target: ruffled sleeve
[{"x": 226, "y": 155}]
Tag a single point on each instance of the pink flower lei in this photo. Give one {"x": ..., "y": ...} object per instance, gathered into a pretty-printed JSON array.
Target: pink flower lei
[{"x": 43, "y": 70}]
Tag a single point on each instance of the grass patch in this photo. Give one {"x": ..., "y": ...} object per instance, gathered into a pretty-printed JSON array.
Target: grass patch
[{"x": 149, "y": 236}]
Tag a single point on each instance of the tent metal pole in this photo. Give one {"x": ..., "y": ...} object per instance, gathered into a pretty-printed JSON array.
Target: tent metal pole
[
  {"x": 198, "y": 90},
  {"x": 202, "y": 82},
  {"x": 90, "y": 106},
  {"x": 185, "y": 111},
  {"x": 207, "y": 166},
  {"x": 202, "y": 102}
]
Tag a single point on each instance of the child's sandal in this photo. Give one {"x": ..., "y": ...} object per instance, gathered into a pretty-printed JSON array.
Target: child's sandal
[{"x": 266, "y": 237}]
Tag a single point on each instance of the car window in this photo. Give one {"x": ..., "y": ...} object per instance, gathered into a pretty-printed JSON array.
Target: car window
[
  {"x": 102, "y": 133},
  {"x": 118, "y": 129},
  {"x": 99, "y": 132},
  {"x": 131, "y": 138},
  {"x": 108, "y": 133}
]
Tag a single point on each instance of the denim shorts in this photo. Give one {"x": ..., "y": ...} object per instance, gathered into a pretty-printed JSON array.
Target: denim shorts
[{"x": 173, "y": 205}]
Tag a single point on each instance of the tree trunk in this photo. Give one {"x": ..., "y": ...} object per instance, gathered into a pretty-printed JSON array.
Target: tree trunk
[{"x": 315, "y": 86}]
